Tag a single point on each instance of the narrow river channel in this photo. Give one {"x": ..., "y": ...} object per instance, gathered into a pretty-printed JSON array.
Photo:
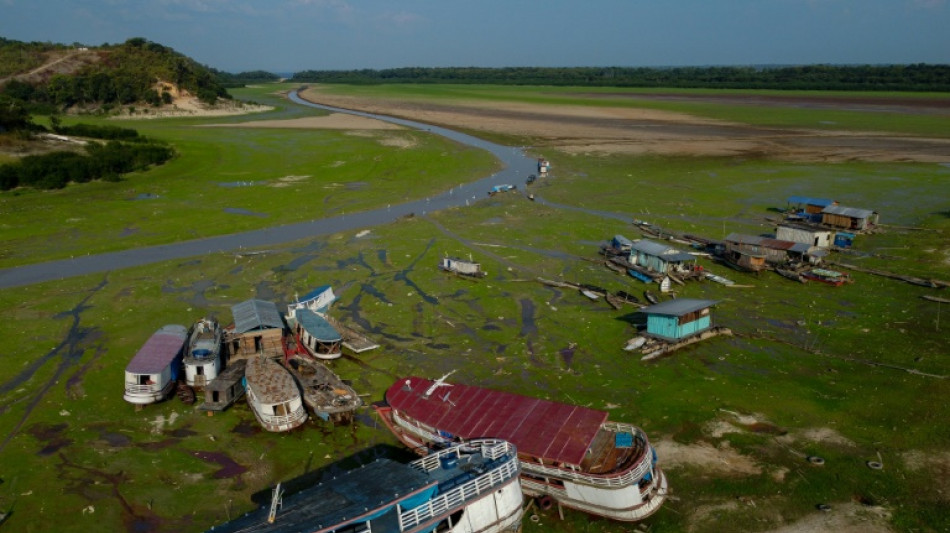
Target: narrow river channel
[{"x": 517, "y": 167}]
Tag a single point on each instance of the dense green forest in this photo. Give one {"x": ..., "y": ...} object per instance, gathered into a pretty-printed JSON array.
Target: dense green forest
[
  {"x": 241, "y": 79},
  {"x": 917, "y": 77},
  {"x": 106, "y": 76},
  {"x": 123, "y": 151}
]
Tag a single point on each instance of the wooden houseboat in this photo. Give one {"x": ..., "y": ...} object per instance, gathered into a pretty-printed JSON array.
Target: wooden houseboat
[
  {"x": 202, "y": 359},
  {"x": 848, "y": 218},
  {"x": 675, "y": 320},
  {"x": 570, "y": 454},
  {"x": 744, "y": 260},
  {"x": 314, "y": 334},
  {"x": 775, "y": 251},
  {"x": 324, "y": 392},
  {"x": 152, "y": 374},
  {"x": 227, "y": 388},
  {"x": 806, "y": 209},
  {"x": 317, "y": 300},
  {"x": 258, "y": 329},
  {"x": 660, "y": 258},
  {"x": 815, "y": 237},
  {"x": 462, "y": 267},
  {"x": 473, "y": 488},
  {"x": 273, "y": 395}
]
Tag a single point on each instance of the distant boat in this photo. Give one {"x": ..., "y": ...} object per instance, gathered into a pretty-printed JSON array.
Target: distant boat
[
  {"x": 719, "y": 279},
  {"x": 501, "y": 188},
  {"x": 570, "y": 454},
  {"x": 202, "y": 359},
  {"x": 470, "y": 488},
  {"x": 152, "y": 374},
  {"x": 324, "y": 392},
  {"x": 639, "y": 275},
  {"x": 650, "y": 297},
  {"x": 830, "y": 277},
  {"x": 273, "y": 395},
  {"x": 318, "y": 300},
  {"x": 590, "y": 294},
  {"x": 462, "y": 267}
]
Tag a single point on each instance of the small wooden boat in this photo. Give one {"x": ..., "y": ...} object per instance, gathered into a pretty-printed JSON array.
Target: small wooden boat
[
  {"x": 639, "y": 275},
  {"x": 635, "y": 343},
  {"x": 627, "y": 297},
  {"x": 829, "y": 277},
  {"x": 650, "y": 297},
  {"x": 791, "y": 274},
  {"x": 324, "y": 392},
  {"x": 465, "y": 488},
  {"x": 273, "y": 395},
  {"x": 202, "y": 359},
  {"x": 152, "y": 374},
  {"x": 719, "y": 279},
  {"x": 590, "y": 294}
]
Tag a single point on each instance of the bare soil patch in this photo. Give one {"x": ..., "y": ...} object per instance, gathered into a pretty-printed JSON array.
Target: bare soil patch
[
  {"x": 722, "y": 460},
  {"x": 603, "y": 130}
]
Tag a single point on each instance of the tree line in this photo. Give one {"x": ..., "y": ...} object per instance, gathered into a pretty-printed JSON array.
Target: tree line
[
  {"x": 913, "y": 77},
  {"x": 124, "y": 151}
]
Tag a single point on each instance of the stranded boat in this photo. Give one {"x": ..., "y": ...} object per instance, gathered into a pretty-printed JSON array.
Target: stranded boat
[
  {"x": 316, "y": 335},
  {"x": 471, "y": 488},
  {"x": 570, "y": 454},
  {"x": 225, "y": 389},
  {"x": 203, "y": 357},
  {"x": 830, "y": 277},
  {"x": 324, "y": 392},
  {"x": 152, "y": 374},
  {"x": 273, "y": 395},
  {"x": 462, "y": 267}
]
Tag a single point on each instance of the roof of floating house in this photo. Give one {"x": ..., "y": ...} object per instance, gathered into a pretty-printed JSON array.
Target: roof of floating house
[
  {"x": 678, "y": 307},
  {"x": 852, "y": 212},
  {"x": 159, "y": 350},
  {"x": 660, "y": 250},
  {"x": 317, "y": 326},
  {"x": 540, "y": 428},
  {"x": 256, "y": 315},
  {"x": 821, "y": 202},
  {"x": 767, "y": 242}
]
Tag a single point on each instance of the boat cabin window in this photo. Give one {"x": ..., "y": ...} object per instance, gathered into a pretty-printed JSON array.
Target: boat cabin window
[
  {"x": 145, "y": 379},
  {"x": 200, "y": 370},
  {"x": 214, "y": 396},
  {"x": 281, "y": 409}
]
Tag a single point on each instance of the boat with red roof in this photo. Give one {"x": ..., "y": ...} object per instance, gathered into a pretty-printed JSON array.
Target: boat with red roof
[{"x": 570, "y": 454}]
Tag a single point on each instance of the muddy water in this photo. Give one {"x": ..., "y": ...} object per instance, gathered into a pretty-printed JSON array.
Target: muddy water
[{"x": 517, "y": 166}]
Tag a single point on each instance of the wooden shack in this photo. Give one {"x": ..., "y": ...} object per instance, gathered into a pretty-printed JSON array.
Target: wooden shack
[
  {"x": 807, "y": 208},
  {"x": 848, "y": 218},
  {"x": 258, "y": 329},
  {"x": 226, "y": 388},
  {"x": 775, "y": 251},
  {"x": 675, "y": 320},
  {"x": 816, "y": 237},
  {"x": 660, "y": 258}
]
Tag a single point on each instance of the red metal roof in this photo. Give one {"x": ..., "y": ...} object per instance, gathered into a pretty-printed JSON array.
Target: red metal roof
[
  {"x": 550, "y": 430},
  {"x": 159, "y": 350}
]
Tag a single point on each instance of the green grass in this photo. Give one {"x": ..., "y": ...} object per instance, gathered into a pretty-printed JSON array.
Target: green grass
[{"x": 802, "y": 357}]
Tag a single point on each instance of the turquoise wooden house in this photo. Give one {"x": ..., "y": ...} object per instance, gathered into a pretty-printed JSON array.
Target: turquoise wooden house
[{"x": 675, "y": 320}]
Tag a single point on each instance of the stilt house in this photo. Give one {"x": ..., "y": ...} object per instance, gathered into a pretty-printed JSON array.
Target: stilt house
[
  {"x": 660, "y": 258},
  {"x": 848, "y": 218},
  {"x": 675, "y": 320}
]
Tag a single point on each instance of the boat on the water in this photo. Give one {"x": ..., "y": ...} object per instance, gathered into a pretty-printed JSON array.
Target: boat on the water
[
  {"x": 570, "y": 454},
  {"x": 323, "y": 391},
  {"x": 470, "y": 488},
  {"x": 824, "y": 275},
  {"x": 202, "y": 359},
  {"x": 152, "y": 374},
  {"x": 314, "y": 333},
  {"x": 273, "y": 395}
]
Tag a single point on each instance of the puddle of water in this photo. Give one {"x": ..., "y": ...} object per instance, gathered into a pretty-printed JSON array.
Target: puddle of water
[
  {"x": 528, "y": 327},
  {"x": 52, "y": 436},
  {"x": 229, "y": 468},
  {"x": 567, "y": 354},
  {"x": 127, "y": 232},
  {"x": 246, "y": 428},
  {"x": 232, "y": 184},
  {"x": 240, "y": 211},
  {"x": 146, "y": 196}
]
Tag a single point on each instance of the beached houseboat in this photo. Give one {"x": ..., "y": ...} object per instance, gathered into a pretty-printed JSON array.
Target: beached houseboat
[
  {"x": 462, "y": 489},
  {"x": 570, "y": 454},
  {"x": 849, "y": 218},
  {"x": 660, "y": 258},
  {"x": 152, "y": 374},
  {"x": 317, "y": 300},
  {"x": 816, "y": 237},
  {"x": 226, "y": 388},
  {"x": 462, "y": 267},
  {"x": 323, "y": 391},
  {"x": 258, "y": 329},
  {"x": 826, "y": 276},
  {"x": 807, "y": 209},
  {"x": 314, "y": 333},
  {"x": 774, "y": 251},
  {"x": 675, "y": 320},
  {"x": 273, "y": 395},
  {"x": 202, "y": 358}
]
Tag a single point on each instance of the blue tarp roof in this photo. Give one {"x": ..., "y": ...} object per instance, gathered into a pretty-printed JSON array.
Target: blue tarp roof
[
  {"x": 317, "y": 326},
  {"x": 821, "y": 202}
]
